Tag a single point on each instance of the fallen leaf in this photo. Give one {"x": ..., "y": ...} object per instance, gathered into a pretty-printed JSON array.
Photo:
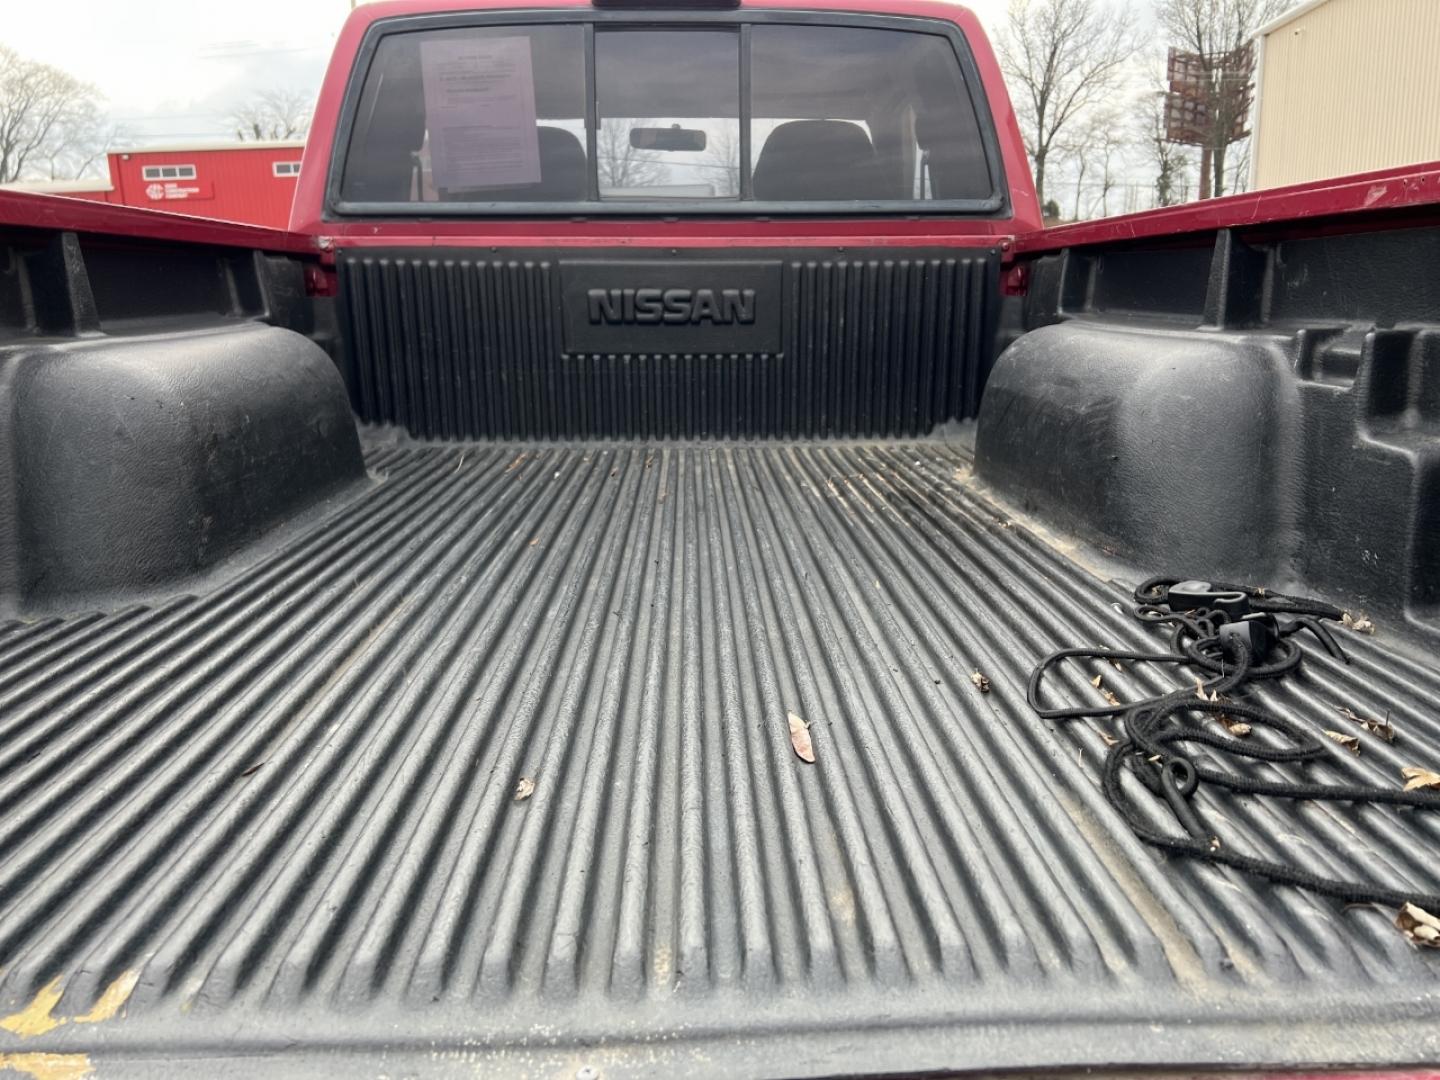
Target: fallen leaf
[
  {"x": 1200, "y": 689},
  {"x": 1384, "y": 729},
  {"x": 1117, "y": 665},
  {"x": 1107, "y": 738},
  {"x": 1418, "y": 926},
  {"x": 1238, "y": 728},
  {"x": 524, "y": 789},
  {"x": 1111, "y": 698},
  {"x": 981, "y": 682},
  {"x": 535, "y": 541},
  {"x": 1095, "y": 682},
  {"x": 800, "y": 739},
  {"x": 1361, "y": 623},
  {"x": 253, "y": 769},
  {"x": 1417, "y": 779},
  {"x": 1350, "y": 742}
]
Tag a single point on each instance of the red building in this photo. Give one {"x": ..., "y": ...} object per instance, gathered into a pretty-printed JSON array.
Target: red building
[{"x": 247, "y": 182}]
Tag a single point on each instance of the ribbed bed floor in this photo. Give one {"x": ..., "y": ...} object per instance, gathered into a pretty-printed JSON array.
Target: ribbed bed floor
[{"x": 281, "y": 817}]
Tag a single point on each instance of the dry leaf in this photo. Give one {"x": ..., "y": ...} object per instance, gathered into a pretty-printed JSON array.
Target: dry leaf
[
  {"x": 1095, "y": 682},
  {"x": 1111, "y": 698},
  {"x": 1238, "y": 728},
  {"x": 1361, "y": 623},
  {"x": 1107, "y": 738},
  {"x": 524, "y": 789},
  {"x": 1417, "y": 779},
  {"x": 1200, "y": 689},
  {"x": 1418, "y": 926},
  {"x": 800, "y": 738},
  {"x": 1350, "y": 742},
  {"x": 1117, "y": 665},
  {"x": 1384, "y": 729},
  {"x": 980, "y": 681}
]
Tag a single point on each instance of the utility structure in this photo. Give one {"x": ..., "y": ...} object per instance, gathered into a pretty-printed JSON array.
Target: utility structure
[{"x": 1208, "y": 105}]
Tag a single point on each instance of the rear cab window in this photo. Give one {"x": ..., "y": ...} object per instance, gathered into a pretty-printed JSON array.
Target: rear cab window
[{"x": 607, "y": 112}]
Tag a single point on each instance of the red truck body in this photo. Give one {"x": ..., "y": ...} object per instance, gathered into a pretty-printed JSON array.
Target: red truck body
[{"x": 606, "y": 641}]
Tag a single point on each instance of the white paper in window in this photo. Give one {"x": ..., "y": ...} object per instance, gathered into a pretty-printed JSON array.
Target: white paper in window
[{"x": 480, "y": 111}]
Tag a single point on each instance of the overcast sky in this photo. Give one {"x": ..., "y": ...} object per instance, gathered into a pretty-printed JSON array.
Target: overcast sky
[{"x": 171, "y": 70}]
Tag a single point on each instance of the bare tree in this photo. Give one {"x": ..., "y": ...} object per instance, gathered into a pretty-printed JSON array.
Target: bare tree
[
  {"x": 81, "y": 153},
  {"x": 272, "y": 115},
  {"x": 1082, "y": 165},
  {"x": 1107, "y": 145},
  {"x": 1091, "y": 153},
  {"x": 722, "y": 159},
  {"x": 1213, "y": 30},
  {"x": 1061, "y": 58},
  {"x": 620, "y": 164},
  {"x": 1169, "y": 159},
  {"x": 1240, "y": 168},
  {"x": 47, "y": 117}
]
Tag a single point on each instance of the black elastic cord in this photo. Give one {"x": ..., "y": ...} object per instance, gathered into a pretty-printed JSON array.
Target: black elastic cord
[{"x": 1158, "y": 731}]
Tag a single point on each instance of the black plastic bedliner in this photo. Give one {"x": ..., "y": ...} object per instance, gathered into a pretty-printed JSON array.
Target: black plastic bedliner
[{"x": 281, "y": 818}]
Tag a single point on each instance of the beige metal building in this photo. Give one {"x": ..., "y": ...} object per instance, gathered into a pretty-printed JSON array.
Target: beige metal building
[{"x": 1345, "y": 86}]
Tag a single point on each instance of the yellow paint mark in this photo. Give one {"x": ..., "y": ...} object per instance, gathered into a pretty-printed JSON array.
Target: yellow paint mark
[
  {"x": 35, "y": 1018},
  {"x": 662, "y": 964},
  {"x": 842, "y": 905},
  {"x": 38, "y": 1017},
  {"x": 48, "y": 1066},
  {"x": 113, "y": 999}
]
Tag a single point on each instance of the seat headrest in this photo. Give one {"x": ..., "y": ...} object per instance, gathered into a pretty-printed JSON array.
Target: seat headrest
[
  {"x": 817, "y": 159},
  {"x": 958, "y": 169}
]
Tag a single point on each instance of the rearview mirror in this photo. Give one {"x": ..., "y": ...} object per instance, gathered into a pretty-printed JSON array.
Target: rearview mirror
[{"x": 671, "y": 138}]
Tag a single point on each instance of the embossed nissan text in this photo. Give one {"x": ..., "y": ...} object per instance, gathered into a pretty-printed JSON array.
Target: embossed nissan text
[{"x": 721, "y": 307}]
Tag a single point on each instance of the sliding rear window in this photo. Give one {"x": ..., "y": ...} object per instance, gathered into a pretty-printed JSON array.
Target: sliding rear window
[{"x": 480, "y": 119}]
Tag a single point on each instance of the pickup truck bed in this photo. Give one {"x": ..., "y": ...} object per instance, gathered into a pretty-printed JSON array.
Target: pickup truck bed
[
  {"x": 286, "y": 805},
  {"x": 411, "y": 622}
]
